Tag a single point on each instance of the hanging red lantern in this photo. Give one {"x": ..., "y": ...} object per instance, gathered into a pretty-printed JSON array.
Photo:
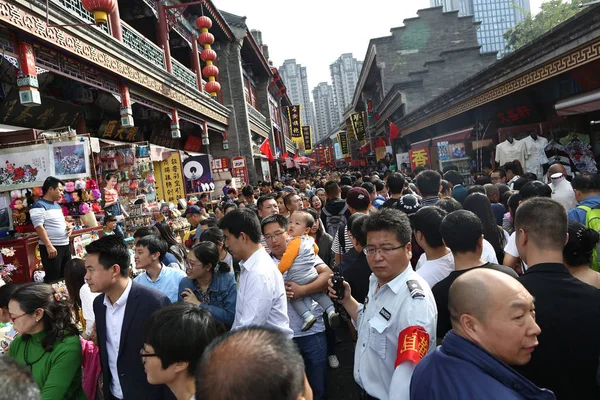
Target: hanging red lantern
[
  {"x": 204, "y": 22},
  {"x": 210, "y": 70},
  {"x": 208, "y": 55},
  {"x": 206, "y": 38},
  {"x": 213, "y": 87},
  {"x": 100, "y": 8}
]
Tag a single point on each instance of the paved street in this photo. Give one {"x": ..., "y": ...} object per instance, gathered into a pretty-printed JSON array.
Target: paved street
[{"x": 341, "y": 385}]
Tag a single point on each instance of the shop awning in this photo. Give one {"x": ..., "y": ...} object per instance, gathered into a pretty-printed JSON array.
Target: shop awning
[
  {"x": 582, "y": 103},
  {"x": 448, "y": 137}
]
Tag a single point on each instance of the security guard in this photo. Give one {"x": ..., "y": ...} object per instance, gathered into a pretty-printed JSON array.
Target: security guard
[{"x": 396, "y": 324}]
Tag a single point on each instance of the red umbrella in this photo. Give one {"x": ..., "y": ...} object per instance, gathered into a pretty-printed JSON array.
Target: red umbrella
[{"x": 303, "y": 159}]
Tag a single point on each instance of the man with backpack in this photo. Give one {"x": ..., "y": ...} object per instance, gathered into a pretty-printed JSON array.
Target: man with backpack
[
  {"x": 587, "y": 212},
  {"x": 335, "y": 213},
  {"x": 357, "y": 201}
]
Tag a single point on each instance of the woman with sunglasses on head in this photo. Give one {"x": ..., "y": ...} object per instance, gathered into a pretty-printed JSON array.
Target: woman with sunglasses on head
[
  {"x": 48, "y": 341},
  {"x": 209, "y": 283}
]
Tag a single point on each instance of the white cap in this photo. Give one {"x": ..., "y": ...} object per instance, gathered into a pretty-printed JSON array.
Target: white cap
[{"x": 557, "y": 175}]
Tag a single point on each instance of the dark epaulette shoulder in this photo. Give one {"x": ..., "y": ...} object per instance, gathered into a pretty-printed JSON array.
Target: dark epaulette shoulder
[{"x": 415, "y": 289}]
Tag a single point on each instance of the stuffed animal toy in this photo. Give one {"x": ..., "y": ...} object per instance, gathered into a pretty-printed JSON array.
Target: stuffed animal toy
[
  {"x": 70, "y": 187},
  {"x": 68, "y": 197},
  {"x": 80, "y": 184},
  {"x": 85, "y": 196},
  {"x": 133, "y": 186},
  {"x": 84, "y": 208},
  {"x": 17, "y": 204},
  {"x": 96, "y": 194},
  {"x": 15, "y": 194},
  {"x": 91, "y": 184},
  {"x": 96, "y": 207},
  {"x": 37, "y": 191},
  {"x": 150, "y": 178},
  {"x": 65, "y": 211},
  {"x": 62, "y": 199}
]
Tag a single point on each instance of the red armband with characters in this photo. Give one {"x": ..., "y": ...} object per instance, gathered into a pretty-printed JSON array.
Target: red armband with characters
[{"x": 413, "y": 344}]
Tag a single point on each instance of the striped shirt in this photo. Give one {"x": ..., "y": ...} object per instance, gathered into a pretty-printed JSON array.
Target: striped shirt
[{"x": 49, "y": 215}]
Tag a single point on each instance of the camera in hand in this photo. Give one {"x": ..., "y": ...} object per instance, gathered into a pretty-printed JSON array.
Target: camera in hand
[{"x": 338, "y": 285}]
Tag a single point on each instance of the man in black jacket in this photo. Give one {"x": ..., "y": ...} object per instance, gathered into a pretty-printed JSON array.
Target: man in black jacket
[
  {"x": 567, "y": 310},
  {"x": 121, "y": 311}
]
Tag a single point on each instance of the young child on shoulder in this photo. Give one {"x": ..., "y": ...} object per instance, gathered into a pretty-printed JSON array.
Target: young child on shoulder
[{"x": 298, "y": 262}]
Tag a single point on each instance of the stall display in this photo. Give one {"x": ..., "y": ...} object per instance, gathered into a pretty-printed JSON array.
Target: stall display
[
  {"x": 580, "y": 152},
  {"x": 511, "y": 150},
  {"x": 536, "y": 146}
]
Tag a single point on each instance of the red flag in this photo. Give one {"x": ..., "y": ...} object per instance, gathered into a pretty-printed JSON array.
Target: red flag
[
  {"x": 265, "y": 148},
  {"x": 394, "y": 131}
]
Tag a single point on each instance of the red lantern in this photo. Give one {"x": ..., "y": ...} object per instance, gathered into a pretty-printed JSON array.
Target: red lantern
[
  {"x": 208, "y": 54},
  {"x": 212, "y": 87},
  {"x": 210, "y": 70},
  {"x": 206, "y": 38},
  {"x": 100, "y": 8},
  {"x": 203, "y": 22}
]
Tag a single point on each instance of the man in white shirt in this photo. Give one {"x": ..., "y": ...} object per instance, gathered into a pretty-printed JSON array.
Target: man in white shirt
[
  {"x": 261, "y": 298},
  {"x": 562, "y": 191}
]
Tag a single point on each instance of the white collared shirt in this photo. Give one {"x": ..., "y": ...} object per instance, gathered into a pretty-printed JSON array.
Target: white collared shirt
[
  {"x": 386, "y": 313},
  {"x": 261, "y": 298},
  {"x": 511, "y": 183},
  {"x": 562, "y": 191},
  {"x": 114, "y": 324}
]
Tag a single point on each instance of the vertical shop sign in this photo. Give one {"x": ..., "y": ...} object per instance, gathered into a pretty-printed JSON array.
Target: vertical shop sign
[
  {"x": 172, "y": 178},
  {"x": 358, "y": 125},
  {"x": 295, "y": 118},
  {"x": 307, "y": 135},
  {"x": 220, "y": 164},
  {"x": 419, "y": 158},
  {"x": 266, "y": 170},
  {"x": 239, "y": 169},
  {"x": 343, "y": 140}
]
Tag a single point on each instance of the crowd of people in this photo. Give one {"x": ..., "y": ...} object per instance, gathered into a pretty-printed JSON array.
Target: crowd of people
[{"x": 485, "y": 291}]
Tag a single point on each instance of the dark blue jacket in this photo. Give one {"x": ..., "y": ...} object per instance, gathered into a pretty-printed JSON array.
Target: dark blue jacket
[
  {"x": 461, "y": 370},
  {"x": 459, "y": 193}
]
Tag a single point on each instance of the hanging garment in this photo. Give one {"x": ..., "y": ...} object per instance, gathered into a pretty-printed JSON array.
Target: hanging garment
[
  {"x": 557, "y": 153},
  {"x": 537, "y": 156},
  {"x": 580, "y": 152},
  {"x": 508, "y": 152}
]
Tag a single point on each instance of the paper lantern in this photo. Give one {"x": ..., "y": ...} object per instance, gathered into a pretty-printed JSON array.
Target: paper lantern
[
  {"x": 203, "y": 22},
  {"x": 100, "y": 8},
  {"x": 208, "y": 55},
  {"x": 210, "y": 70},
  {"x": 213, "y": 87},
  {"x": 206, "y": 38}
]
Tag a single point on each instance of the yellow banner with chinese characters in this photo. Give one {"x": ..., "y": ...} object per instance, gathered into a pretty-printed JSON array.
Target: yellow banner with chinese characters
[{"x": 171, "y": 183}]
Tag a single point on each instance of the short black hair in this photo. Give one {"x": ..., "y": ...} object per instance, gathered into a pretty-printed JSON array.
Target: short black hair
[
  {"x": 483, "y": 180},
  {"x": 277, "y": 371},
  {"x": 356, "y": 226},
  {"x": 418, "y": 170},
  {"x": 214, "y": 235},
  {"x": 332, "y": 189},
  {"x": 453, "y": 177},
  {"x": 210, "y": 221},
  {"x": 146, "y": 231},
  {"x": 287, "y": 200},
  {"x": 154, "y": 245},
  {"x": 519, "y": 183},
  {"x": 227, "y": 206},
  {"x": 242, "y": 220},
  {"x": 542, "y": 231},
  {"x": 248, "y": 191},
  {"x": 227, "y": 181},
  {"x": 17, "y": 383},
  {"x": 500, "y": 172},
  {"x": 111, "y": 250},
  {"x": 476, "y": 189},
  {"x": 6, "y": 293},
  {"x": 428, "y": 183},
  {"x": 581, "y": 245},
  {"x": 427, "y": 221},
  {"x": 395, "y": 183},
  {"x": 51, "y": 182},
  {"x": 278, "y": 219},
  {"x": 379, "y": 185},
  {"x": 345, "y": 180},
  {"x": 586, "y": 183},
  {"x": 391, "y": 220},
  {"x": 461, "y": 230},
  {"x": 369, "y": 187},
  {"x": 449, "y": 204},
  {"x": 262, "y": 199},
  {"x": 308, "y": 218},
  {"x": 535, "y": 189},
  {"x": 531, "y": 176},
  {"x": 109, "y": 218},
  {"x": 346, "y": 189},
  {"x": 180, "y": 332},
  {"x": 512, "y": 167}
]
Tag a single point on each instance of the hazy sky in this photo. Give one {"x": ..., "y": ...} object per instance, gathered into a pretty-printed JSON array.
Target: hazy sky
[{"x": 317, "y": 32}]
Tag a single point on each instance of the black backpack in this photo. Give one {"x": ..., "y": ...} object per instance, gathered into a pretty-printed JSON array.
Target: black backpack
[{"x": 334, "y": 222}]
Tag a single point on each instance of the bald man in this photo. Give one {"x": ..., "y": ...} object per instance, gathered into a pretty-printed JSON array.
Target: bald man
[
  {"x": 493, "y": 327},
  {"x": 562, "y": 191},
  {"x": 493, "y": 193}
]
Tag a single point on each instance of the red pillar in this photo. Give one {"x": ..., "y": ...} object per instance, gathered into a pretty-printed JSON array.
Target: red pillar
[
  {"x": 196, "y": 63},
  {"x": 115, "y": 25},
  {"x": 163, "y": 35}
]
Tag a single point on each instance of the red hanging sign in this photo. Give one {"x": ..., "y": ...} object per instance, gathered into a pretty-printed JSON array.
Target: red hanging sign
[{"x": 419, "y": 158}]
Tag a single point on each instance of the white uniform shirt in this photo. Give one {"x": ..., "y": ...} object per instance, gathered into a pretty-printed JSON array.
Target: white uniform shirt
[
  {"x": 384, "y": 315},
  {"x": 488, "y": 254},
  {"x": 537, "y": 155},
  {"x": 261, "y": 298},
  {"x": 434, "y": 271},
  {"x": 562, "y": 191},
  {"x": 115, "y": 313},
  {"x": 87, "y": 307},
  {"x": 512, "y": 249},
  {"x": 508, "y": 152}
]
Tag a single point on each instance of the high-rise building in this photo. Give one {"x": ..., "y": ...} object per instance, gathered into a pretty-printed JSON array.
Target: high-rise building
[
  {"x": 296, "y": 82},
  {"x": 325, "y": 110},
  {"x": 344, "y": 75},
  {"x": 496, "y": 17}
]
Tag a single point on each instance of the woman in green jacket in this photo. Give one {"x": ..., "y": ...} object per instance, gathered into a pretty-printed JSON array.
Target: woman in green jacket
[{"x": 48, "y": 341}]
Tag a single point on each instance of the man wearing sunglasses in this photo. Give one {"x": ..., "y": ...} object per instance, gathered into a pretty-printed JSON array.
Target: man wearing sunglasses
[{"x": 397, "y": 322}]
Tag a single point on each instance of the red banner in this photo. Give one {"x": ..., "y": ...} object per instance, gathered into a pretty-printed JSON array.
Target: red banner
[
  {"x": 239, "y": 168},
  {"x": 419, "y": 158}
]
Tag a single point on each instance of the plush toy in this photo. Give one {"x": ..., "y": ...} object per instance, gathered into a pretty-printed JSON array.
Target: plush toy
[
  {"x": 15, "y": 194},
  {"x": 75, "y": 196},
  {"x": 73, "y": 210},
  {"x": 150, "y": 178},
  {"x": 133, "y": 186},
  {"x": 67, "y": 197},
  {"x": 80, "y": 184},
  {"x": 85, "y": 196},
  {"x": 62, "y": 199},
  {"x": 17, "y": 204},
  {"x": 91, "y": 184},
  {"x": 70, "y": 187},
  {"x": 96, "y": 194},
  {"x": 37, "y": 191},
  {"x": 65, "y": 211},
  {"x": 96, "y": 207},
  {"x": 84, "y": 208}
]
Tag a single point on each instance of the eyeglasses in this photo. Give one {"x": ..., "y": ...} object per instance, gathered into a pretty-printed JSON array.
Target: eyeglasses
[
  {"x": 384, "y": 251},
  {"x": 13, "y": 319},
  {"x": 274, "y": 236},
  {"x": 192, "y": 264},
  {"x": 143, "y": 354}
]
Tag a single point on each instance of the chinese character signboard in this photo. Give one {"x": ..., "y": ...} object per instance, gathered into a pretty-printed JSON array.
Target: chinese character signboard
[
  {"x": 220, "y": 164},
  {"x": 358, "y": 125},
  {"x": 295, "y": 118},
  {"x": 419, "y": 158},
  {"x": 112, "y": 130},
  {"x": 307, "y": 136},
  {"x": 193, "y": 143},
  {"x": 239, "y": 169},
  {"x": 162, "y": 137},
  {"x": 172, "y": 178},
  {"x": 197, "y": 173},
  {"x": 343, "y": 140}
]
